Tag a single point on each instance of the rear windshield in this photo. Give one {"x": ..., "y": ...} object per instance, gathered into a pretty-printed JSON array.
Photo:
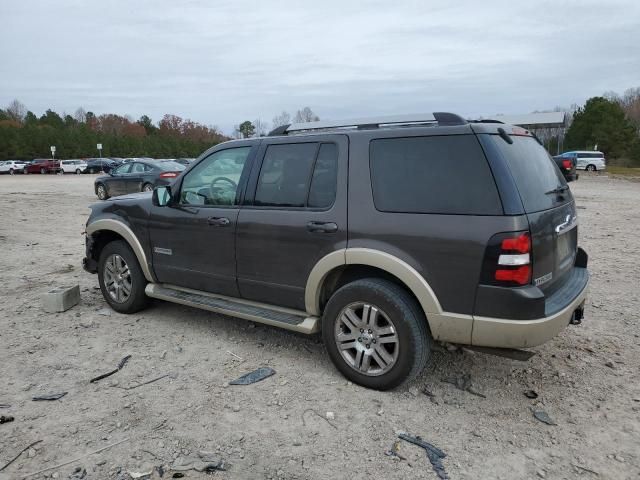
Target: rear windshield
[
  {"x": 534, "y": 172},
  {"x": 170, "y": 166},
  {"x": 434, "y": 174}
]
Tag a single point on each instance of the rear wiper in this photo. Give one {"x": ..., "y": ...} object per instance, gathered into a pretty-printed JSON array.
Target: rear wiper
[{"x": 559, "y": 189}]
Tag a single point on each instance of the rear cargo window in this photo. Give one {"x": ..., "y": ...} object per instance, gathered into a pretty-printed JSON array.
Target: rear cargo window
[
  {"x": 435, "y": 174},
  {"x": 534, "y": 171}
]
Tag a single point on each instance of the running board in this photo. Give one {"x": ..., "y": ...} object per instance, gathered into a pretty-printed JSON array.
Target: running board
[{"x": 286, "y": 318}]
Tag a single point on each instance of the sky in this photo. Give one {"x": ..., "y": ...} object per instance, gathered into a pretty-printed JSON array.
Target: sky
[{"x": 220, "y": 63}]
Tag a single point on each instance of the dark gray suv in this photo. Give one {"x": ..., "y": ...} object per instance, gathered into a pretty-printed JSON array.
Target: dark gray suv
[{"x": 383, "y": 234}]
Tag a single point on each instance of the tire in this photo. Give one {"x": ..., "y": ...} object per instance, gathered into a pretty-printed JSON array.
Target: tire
[
  {"x": 101, "y": 192},
  {"x": 396, "y": 308},
  {"x": 147, "y": 187},
  {"x": 25, "y": 172},
  {"x": 119, "y": 253},
  {"x": 11, "y": 172},
  {"x": 591, "y": 168},
  {"x": 78, "y": 171},
  {"x": 43, "y": 171}
]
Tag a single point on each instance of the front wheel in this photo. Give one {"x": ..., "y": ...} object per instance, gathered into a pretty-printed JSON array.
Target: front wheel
[
  {"x": 101, "y": 192},
  {"x": 43, "y": 171},
  {"x": 376, "y": 334},
  {"x": 121, "y": 279},
  {"x": 11, "y": 171},
  {"x": 591, "y": 168},
  {"x": 78, "y": 171}
]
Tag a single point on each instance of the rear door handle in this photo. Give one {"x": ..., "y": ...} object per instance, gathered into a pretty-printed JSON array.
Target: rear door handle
[
  {"x": 322, "y": 227},
  {"x": 218, "y": 221}
]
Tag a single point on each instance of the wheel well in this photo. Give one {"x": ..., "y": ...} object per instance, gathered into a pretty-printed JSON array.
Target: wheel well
[
  {"x": 100, "y": 240},
  {"x": 340, "y": 276}
]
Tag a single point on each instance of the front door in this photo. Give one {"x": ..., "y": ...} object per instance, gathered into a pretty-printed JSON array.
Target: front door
[
  {"x": 116, "y": 183},
  {"x": 193, "y": 240},
  {"x": 296, "y": 214}
]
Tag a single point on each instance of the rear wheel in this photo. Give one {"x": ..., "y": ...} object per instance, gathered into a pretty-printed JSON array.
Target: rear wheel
[
  {"x": 11, "y": 171},
  {"x": 78, "y": 171},
  {"x": 43, "y": 171},
  {"x": 147, "y": 187},
  {"x": 376, "y": 333},
  {"x": 591, "y": 168},
  {"x": 101, "y": 192},
  {"x": 121, "y": 279}
]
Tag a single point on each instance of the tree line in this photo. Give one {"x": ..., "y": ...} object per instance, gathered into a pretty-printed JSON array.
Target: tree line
[{"x": 23, "y": 135}]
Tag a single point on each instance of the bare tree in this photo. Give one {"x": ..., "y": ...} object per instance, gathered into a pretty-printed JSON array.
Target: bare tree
[
  {"x": 17, "y": 111},
  {"x": 80, "y": 115},
  {"x": 283, "y": 119},
  {"x": 261, "y": 127},
  {"x": 305, "y": 115}
]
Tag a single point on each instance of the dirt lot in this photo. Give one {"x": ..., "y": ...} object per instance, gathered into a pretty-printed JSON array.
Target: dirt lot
[{"x": 587, "y": 379}]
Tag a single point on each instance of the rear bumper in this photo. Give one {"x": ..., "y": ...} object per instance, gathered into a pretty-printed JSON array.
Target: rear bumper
[{"x": 559, "y": 310}]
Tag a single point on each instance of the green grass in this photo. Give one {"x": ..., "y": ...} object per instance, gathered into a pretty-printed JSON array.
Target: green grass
[{"x": 629, "y": 171}]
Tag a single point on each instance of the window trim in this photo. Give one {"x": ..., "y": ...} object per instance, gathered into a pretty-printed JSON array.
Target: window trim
[
  {"x": 242, "y": 183},
  {"x": 249, "y": 201}
]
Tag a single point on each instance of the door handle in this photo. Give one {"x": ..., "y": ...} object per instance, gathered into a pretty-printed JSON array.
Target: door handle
[
  {"x": 218, "y": 221},
  {"x": 322, "y": 227}
]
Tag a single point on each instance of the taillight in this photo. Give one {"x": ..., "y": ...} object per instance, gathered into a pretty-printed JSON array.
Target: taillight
[
  {"x": 168, "y": 174},
  {"x": 566, "y": 164},
  {"x": 507, "y": 260}
]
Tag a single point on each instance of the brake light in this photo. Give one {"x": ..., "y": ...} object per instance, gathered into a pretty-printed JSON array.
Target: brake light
[
  {"x": 507, "y": 260},
  {"x": 521, "y": 243},
  {"x": 520, "y": 275},
  {"x": 566, "y": 164},
  {"x": 168, "y": 174}
]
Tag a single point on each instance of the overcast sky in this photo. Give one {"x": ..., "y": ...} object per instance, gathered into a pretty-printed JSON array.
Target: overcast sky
[{"x": 222, "y": 62}]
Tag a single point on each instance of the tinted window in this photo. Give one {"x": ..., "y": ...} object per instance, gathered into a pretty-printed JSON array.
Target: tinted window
[
  {"x": 590, "y": 155},
  {"x": 447, "y": 174},
  {"x": 215, "y": 180},
  {"x": 534, "y": 172},
  {"x": 137, "y": 167},
  {"x": 323, "y": 183},
  {"x": 285, "y": 174},
  {"x": 169, "y": 166}
]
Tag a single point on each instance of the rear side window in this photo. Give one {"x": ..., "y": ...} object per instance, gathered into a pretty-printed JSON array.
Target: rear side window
[
  {"x": 534, "y": 171},
  {"x": 298, "y": 175},
  {"x": 590, "y": 155},
  {"x": 435, "y": 174}
]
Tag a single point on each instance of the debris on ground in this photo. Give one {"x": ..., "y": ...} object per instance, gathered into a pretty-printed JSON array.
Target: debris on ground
[
  {"x": 434, "y": 454},
  {"x": 18, "y": 455},
  {"x": 204, "y": 462},
  {"x": 543, "y": 417},
  {"x": 104, "y": 311},
  {"x": 151, "y": 381},
  {"x": 325, "y": 418},
  {"x": 463, "y": 382},
  {"x": 531, "y": 394},
  {"x": 5, "y": 405},
  {"x": 122, "y": 363},
  {"x": 78, "y": 473},
  {"x": 6, "y": 419},
  {"x": 253, "y": 377},
  {"x": 394, "y": 451},
  {"x": 51, "y": 396}
]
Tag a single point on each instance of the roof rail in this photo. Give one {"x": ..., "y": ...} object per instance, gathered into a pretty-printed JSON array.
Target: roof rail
[{"x": 441, "y": 118}]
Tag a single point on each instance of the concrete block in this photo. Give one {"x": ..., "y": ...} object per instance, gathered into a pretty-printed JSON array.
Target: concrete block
[{"x": 60, "y": 299}]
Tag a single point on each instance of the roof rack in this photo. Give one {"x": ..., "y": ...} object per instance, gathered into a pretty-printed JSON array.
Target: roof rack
[{"x": 441, "y": 118}]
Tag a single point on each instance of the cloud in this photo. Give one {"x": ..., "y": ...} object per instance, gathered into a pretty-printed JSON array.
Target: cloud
[{"x": 224, "y": 62}]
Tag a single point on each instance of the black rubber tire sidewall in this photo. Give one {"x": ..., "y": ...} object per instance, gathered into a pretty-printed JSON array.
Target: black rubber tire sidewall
[
  {"x": 106, "y": 195},
  {"x": 407, "y": 316},
  {"x": 145, "y": 186},
  {"x": 138, "y": 299}
]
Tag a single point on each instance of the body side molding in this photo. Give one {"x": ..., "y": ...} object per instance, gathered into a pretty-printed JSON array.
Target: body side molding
[{"x": 125, "y": 232}]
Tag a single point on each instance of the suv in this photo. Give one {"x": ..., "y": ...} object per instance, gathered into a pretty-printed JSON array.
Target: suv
[
  {"x": 12, "y": 166},
  {"x": 588, "y": 160},
  {"x": 384, "y": 234},
  {"x": 73, "y": 166},
  {"x": 43, "y": 165}
]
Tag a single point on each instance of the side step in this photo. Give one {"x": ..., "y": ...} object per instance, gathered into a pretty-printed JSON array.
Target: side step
[{"x": 258, "y": 312}]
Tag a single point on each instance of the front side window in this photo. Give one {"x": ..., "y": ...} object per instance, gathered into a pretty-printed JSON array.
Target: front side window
[
  {"x": 214, "y": 181},
  {"x": 138, "y": 167},
  {"x": 122, "y": 169}
]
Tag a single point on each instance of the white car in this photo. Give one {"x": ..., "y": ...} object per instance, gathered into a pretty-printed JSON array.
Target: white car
[
  {"x": 589, "y": 160},
  {"x": 12, "y": 166},
  {"x": 73, "y": 166}
]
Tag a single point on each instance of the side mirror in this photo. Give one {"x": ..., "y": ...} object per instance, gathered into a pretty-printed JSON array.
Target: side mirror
[{"x": 161, "y": 196}]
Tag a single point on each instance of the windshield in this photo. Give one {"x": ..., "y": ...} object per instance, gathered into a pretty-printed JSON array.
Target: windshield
[{"x": 539, "y": 181}]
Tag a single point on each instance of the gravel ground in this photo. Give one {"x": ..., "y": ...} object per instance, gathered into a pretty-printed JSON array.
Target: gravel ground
[{"x": 587, "y": 379}]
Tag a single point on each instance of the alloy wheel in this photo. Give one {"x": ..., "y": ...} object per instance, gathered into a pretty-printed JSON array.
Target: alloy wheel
[
  {"x": 366, "y": 339},
  {"x": 117, "y": 278}
]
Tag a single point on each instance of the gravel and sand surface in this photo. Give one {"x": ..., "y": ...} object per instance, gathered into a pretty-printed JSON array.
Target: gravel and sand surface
[{"x": 306, "y": 421}]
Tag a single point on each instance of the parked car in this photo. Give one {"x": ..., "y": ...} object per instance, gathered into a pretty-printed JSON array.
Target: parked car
[
  {"x": 95, "y": 165},
  {"x": 185, "y": 161},
  {"x": 73, "y": 166},
  {"x": 567, "y": 166},
  {"x": 588, "y": 160},
  {"x": 137, "y": 176},
  {"x": 12, "y": 166},
  {"x": 43, "y": 165},
  {"x": 385, "y": 238}
]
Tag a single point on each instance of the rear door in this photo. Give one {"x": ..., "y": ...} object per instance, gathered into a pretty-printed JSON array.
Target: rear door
[
  {"x": 549, "y": 206},
  {"x": 135, "y": 177},
  {"x": 296, "y": 214}
]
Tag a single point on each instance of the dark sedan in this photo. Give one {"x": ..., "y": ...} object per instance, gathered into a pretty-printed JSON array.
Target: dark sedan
[
  {"x": 137, "y": 176},
  {"x": 95, "y": 165}
]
